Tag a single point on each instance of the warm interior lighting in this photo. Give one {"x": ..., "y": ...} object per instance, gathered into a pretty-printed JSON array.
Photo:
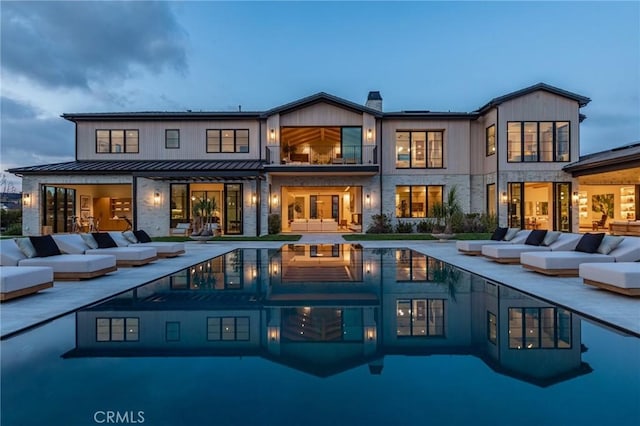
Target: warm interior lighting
[
  {"x": 274, "y": 333},
  {"x": 156, "y": 198},
  {"x": 254, "y": 198},
  {"x": 370, "y": 333},
  {"x": 503, "y": 198},
  {"x": 576, "y": 196},
  {"x": 368, "y": 200},
  {"x": 274, "y": 200},
  {"x": 26, "y": 199},
  {"x": 272, "y": 135},
  {"x": 367, "y": 267}
]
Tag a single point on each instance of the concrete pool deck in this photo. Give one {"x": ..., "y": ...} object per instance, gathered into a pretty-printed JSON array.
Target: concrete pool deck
[{"x": 617, "y": 311}]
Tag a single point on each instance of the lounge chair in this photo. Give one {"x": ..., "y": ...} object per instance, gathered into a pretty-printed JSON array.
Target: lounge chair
[
  {"x": 17, "y": 281},
  {"x": 125, "y": 256},
  {"x": 65, "y": 266},
  {"x": 510, "y": 253},
  {"x": 474, "y": 247},
  {"x": 164, "y": 249},
  {"x": 567, "y": 263},
  {"x": 619, "y": 277}
]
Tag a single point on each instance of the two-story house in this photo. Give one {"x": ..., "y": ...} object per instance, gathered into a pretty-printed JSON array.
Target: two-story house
[{"x": 322, "y": 163}]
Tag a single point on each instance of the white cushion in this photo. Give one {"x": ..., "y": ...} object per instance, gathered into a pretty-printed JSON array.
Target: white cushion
[
  {"x": 554, "y": 260},
  {"x": 72, "y": 263},
  {"x": 71, "y": 243},
  {"x": 119, "y": 239},
  {"x": 619, "y": 274},
  {"x": 511, "y": 232},
  {"x": 509, "y": 251},
  {"x": 550, "y": 237},
  {"x": 126, "y": 253},
  {"x": 609, "y": 243},
  {"x": 130, "y": 236},
  {"x": 14, "y": 278},
  {"x": 10, "y": 254},
  {"x": 89, "y": 240}
]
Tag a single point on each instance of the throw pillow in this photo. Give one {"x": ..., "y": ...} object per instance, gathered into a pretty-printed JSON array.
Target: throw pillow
[
  {"x": 104, "y": 240},
  {"x": 609, "y": 243},
  {"x": 89, "y": 240},
  {"x": 25, "y": 246},
  {"x": 550, "y": 238},
  {"x": 536, "y": 237},
  {"x": 511, "y": 233},
  {"x": 589, "y": 243},
  {"x": 499, "y": 233},
  {"x": 45, "y": 246},
  {"x": 142, "y": 236},
  {"x": 130, "y": 237}
]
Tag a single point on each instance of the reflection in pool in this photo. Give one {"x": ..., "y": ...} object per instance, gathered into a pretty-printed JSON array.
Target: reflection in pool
[{"x": 329, "y": 311}]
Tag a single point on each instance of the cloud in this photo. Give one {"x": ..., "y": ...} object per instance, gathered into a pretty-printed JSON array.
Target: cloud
[{"x": 81, "y": 44}]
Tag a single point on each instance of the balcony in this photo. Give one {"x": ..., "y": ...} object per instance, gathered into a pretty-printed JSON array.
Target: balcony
[{"x": 363, "y": 158}]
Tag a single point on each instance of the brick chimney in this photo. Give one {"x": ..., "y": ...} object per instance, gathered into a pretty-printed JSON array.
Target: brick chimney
[{"x": 374, "y": 101}]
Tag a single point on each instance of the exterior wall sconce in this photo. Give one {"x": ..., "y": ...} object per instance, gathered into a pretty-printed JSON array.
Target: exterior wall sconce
[
  {"x": 254, "y": 199},
  {"x": 369, "y": 135},
  {"x": 274, "y": 333},
  {"x": 272, "y": 135},
  {"x": 26, "y": 199},
  {"x": 368, "y": 200},
  {"x": 274, "y": 200},
  {"x": 274, "y": 269},
  {"x": 503, "y": 198},
  {"x": 370, "y": 333},
  {"x": 254, "y": 272},
  {"x": 367, "y": 266},
  {"x": 156, "y": 198}
]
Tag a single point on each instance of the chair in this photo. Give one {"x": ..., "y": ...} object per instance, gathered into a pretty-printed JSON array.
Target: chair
[
  {"x": 597, "y": 224},
  {"x": 343, "y": 224}
]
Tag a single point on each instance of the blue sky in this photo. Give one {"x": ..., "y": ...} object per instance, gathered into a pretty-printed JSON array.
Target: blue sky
[{"x": 62, "y": 57}]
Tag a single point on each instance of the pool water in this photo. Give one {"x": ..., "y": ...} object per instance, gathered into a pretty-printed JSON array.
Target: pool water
[{"x": 318, "y": 335}]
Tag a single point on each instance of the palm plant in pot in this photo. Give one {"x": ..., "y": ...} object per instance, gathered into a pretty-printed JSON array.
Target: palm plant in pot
[
  {"x": 203, "y": 221},
  {"x": 444, "y": 214}
]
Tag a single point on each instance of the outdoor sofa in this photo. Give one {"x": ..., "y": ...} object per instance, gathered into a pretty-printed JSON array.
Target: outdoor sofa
[
  {"x": 510, "y": 253},
  {"x": 567, "y": 263},
  {"x": 136, "y": 238},
  {"x": 500, "y": 236},
  {"x": 102, "y": 243},
  {"x": 65, "y": 266},
  {"x": 17, "y": 281},
  {"x": 619, "y": 277}
]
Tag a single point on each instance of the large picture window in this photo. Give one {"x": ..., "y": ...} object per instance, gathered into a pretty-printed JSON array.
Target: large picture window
[
  {"x": 419, "y": 149},
  {"x": 228, "y": 328},
  {"x": 538, "y": 141},
  {"x": 117, "y": 141},
  {"x": 227, "y": 141},
  {"x": 536, "y": 328},
  {"x": 117, "y": 329},
  {"x": 417, "y": 200}
]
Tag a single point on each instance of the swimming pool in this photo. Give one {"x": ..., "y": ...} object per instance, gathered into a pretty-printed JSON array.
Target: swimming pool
[{"x": 321, "y": 334}]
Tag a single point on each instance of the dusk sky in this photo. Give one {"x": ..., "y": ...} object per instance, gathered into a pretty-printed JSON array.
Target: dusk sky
[{"x": 72, "y": 57}]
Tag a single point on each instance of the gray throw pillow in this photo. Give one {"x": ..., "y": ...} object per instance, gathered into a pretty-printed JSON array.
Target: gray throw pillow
[
  {"x": 25, "y": 246},
  {"x": 511, "y": 233},
  {"x": 89, "y": 240},
  {"x": 550, "y": 238},
  {"x": 130, "y": 237},
  {"x": 609, "y": 243}
]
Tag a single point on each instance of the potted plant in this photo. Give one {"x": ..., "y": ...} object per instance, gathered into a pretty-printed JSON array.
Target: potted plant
[
  {"x": 444, "y": 213},
  {"x": 204, "y": 225}
]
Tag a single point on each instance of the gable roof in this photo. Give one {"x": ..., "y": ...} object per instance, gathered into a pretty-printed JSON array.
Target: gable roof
[
  {"x": 322, "y": 97},
  {"x": 582, "y": 100}
]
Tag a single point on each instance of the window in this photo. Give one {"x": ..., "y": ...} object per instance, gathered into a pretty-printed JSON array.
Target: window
[
  {"x": 228, "y": 328},
  {"x": 492, "y": 327},
  {"x": 539, "y": 328},
  {"x": 417, "y": 200},
  {"x": 172, "y": 331},
  {"x": 420, "y": 318},
  {"x": 227, "y": 141},
  {"x": 117, "y": 329},
  {"x": 117, "y": 141},
  {"x": 419, "y": 149},
  {"x": 172, "y": 139},
  {"x": 491, "y": 140},
  {"x": 491, "y": 199},
  {"x": 538, "y": 141}
]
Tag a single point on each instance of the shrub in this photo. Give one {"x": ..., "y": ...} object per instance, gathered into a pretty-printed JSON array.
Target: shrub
[
  {"x": 404, "y": 227},
  {"x": 425, "y": 226},
  {"x": 274, "y": 224},
  {"x": 14, "y": 229},
  {"x": 381, "y": 224}
]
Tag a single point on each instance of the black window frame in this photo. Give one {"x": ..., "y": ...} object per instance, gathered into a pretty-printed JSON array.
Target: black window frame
[
  {"x": 490, "y": 141},
  {"x": 235, "y": 329},
  {"x": 235, "y": 141},
  {"x": 111, "y": 339},
  {"x": 411, "y": 148},
  {"x": 166, "y": 138},
  {"x": 426, "y": 200},
  {"x": 554, "y": 144},
  {"x": 124, "y": 151},
  {"x": 558, "y": 328},
  {"x": 412, "y": 321}
]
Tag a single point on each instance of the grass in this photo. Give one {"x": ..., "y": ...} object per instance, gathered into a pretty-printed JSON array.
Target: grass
[
  {"x": 276, "y": 237},
  {"x": 407, "y": 237}
]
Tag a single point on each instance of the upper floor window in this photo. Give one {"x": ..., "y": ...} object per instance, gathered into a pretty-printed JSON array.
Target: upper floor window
[
  {"x": 227, "y": 140},
  {"x": 491, "y": 140},
  {"x": 538, "y": 141},
  {"x": 117, "y": 141},
  {"x": 420, "y": 317},
  {"x": 535, "y": 328},
  {"x": 419, "y": 149},
  {"x": 172, "y": 139}
]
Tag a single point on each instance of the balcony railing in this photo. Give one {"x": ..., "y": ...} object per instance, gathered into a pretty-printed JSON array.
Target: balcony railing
[{"x": 367, "y": 154}]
